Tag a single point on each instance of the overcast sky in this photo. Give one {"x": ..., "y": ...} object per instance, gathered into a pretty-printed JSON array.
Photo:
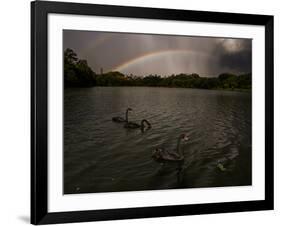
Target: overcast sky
[{"x": 143, "y": 54}]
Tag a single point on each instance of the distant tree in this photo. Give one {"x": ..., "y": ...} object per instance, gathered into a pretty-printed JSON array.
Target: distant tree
[
  {"x": 245, "y": 81},
  {"x": 85, "y": 73},
  {"x": 152, "y": 80},
  {"x": 77, "y": 72},
  {"x": 228, "y": 81},
  {"x": 225, "y": 76}
]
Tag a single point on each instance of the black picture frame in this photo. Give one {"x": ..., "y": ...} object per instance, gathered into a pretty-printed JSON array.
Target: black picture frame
[{"x": 39, "y": 112}]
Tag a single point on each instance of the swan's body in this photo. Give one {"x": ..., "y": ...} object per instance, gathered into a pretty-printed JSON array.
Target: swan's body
[
  {"x": 160, "y": 154},
  {"x": 120, "y": 119},
  {"x": 134, "y": 125}
]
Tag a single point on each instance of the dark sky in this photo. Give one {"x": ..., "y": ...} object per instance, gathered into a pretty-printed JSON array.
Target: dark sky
[{"x": 143, "y": 54}]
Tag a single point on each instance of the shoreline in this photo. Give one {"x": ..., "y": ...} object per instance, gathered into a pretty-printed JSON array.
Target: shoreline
[{"x": 218, "y": 89}]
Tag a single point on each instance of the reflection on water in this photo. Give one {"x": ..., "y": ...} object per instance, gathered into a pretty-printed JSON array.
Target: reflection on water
[{"x": 102, "y": 156}]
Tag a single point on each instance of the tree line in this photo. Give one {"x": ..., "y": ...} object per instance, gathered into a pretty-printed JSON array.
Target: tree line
[{"x": 78, "y": 73}]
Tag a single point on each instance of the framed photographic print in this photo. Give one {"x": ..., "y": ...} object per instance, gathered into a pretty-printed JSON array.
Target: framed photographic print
[{"x": 145, "y": 112}]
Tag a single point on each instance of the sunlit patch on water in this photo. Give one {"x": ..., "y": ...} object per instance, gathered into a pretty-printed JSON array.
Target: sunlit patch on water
[{"x": 102, "y": 156}]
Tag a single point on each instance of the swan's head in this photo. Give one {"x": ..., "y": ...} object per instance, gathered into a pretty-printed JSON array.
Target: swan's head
[{"x": 184, "y": 137}]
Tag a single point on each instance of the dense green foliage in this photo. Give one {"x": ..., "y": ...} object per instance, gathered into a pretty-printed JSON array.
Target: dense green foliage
[
  {"x": 78, "y": 73},
  {"x": 223, "y": 81}
]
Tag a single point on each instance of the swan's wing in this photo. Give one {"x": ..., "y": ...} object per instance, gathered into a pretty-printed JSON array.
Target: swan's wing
[
  {"x": 132, "y": 125},
  {"x": 162, "y": 154},
  {"x": 171, "y": 156},
  {"x": 118, "y": 119},
  {"x": 174, "y": 154}
]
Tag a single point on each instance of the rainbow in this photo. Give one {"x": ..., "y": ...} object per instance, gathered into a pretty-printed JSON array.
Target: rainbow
[{"x": 151, "y": 56}]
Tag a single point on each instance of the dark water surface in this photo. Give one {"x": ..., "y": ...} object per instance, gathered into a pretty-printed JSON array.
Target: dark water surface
[{"x": 102, "y": 156}]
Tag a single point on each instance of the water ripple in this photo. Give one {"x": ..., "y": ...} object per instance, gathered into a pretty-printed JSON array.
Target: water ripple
[{"x": 101, "y": 156}]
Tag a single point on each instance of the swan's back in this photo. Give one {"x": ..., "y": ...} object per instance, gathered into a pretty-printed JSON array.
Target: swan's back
[
  {"x": 132, "y": 125},
  {"x": 160, "y": 154},
  {"x": 118, "y": 119}
]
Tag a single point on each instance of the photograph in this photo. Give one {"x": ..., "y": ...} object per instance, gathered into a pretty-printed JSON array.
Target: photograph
[
  {"x": 148, "y": 111},
  {"x": 155, "y": 111}
]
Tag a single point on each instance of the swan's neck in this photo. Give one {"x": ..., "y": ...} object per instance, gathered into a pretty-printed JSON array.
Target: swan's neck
[
  {"x": 179, "y": 149},
  {"x": 126, "y": 116}
]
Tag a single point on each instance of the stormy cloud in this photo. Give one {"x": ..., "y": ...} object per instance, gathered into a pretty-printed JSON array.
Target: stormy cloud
[{"x": 143, "y": 54}]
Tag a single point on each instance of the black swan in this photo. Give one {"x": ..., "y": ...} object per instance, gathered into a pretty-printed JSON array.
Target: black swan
[
  {"x": 134, "y": 125},
  {"x": 160, "y": 154},
  {"x": 120, "y": 119}
]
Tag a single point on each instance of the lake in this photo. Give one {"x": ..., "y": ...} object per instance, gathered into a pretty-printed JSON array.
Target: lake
[{"x": 102, "y": 156}]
